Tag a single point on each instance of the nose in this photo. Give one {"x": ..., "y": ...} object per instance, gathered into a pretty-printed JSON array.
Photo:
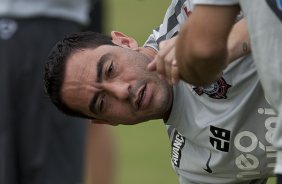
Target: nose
[{"x": 119, "y": 89}]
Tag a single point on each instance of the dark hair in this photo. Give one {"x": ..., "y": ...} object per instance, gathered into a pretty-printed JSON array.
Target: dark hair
[{"x": 54, "y": 71}]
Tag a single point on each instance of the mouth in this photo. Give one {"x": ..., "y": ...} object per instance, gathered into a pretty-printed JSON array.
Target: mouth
[{"x": 140, "y": 97}]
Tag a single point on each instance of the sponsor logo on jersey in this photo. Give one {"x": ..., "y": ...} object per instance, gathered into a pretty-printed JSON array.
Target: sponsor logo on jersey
[
  {"x": 208, "y": 169},
  {"x": 217, "y": 90},
  {"x": 254, "y": 153},
  {"x": 248, "y": 143},
  {"x": 178, "y": 142}
]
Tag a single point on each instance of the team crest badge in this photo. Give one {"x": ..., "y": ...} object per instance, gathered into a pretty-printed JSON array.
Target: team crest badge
[{"x": 217, "y": 90}]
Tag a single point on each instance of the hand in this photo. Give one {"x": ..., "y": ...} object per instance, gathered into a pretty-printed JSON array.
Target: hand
[{"x": 165, "y": 63}]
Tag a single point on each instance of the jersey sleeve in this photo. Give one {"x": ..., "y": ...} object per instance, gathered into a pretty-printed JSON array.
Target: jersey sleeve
[
  {"x": 152, "y": 40},
  {"x": 175, "y": 16}
]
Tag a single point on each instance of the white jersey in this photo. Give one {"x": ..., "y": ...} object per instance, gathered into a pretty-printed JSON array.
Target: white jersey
[
  {"x": 265, "y": 30},
  {"x": 222, "y": 133}
]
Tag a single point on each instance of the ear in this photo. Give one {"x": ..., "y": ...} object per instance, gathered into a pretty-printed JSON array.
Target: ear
[{"x": 123, "y": 40}]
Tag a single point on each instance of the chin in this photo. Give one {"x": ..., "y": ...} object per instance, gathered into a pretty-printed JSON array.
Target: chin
[{"x": 130, "y": 123}]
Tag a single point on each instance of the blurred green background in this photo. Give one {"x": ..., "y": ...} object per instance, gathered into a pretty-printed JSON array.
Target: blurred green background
[{"x": 144, "y": 149}]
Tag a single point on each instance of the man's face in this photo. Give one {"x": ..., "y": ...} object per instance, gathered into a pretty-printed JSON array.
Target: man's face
[{"x": 112, "y": 84}]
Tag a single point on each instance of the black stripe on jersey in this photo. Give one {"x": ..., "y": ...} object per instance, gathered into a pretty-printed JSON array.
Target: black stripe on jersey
[
  {"x": 151, "y": 41},
  {"x": 172, "y": 21}
]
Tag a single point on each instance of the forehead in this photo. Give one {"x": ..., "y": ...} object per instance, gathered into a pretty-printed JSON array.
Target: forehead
[
  {"x": 80, "y": 76},
  {"x": 79, "y": 65},
  {"x": 83, "y": 62}
]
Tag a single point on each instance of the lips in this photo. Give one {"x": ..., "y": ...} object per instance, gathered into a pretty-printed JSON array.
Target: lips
[{"x": 141, "y": 94}]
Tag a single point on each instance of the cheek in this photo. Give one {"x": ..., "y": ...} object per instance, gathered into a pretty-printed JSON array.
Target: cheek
[{"x": 119, "y": 112}]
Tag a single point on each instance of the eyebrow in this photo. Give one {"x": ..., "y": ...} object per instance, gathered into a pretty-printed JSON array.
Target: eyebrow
[
  {"x": 100, "y": 66},
  {"x": 99, "y": 70}
]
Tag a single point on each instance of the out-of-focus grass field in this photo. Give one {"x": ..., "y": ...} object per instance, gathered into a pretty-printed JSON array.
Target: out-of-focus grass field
[{"x": 144, "y": 149}]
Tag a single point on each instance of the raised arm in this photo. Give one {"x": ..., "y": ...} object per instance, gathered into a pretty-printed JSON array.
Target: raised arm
[
  {"x": 201, "y": 50},
  {"x": 238, "y": 43}
]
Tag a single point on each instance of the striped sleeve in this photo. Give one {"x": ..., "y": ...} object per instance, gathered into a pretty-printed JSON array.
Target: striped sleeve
[{"x": 175, "y": 16}]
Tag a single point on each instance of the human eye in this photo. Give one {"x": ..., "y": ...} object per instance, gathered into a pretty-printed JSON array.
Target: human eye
[
  {"x": 110, "y": 70},
  {"x": 101, "y": 103}
]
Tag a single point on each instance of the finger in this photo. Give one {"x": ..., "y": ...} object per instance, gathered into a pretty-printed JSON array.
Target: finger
[
  {"x": 152, "y": 66},
  {"x": 165, "y": 47},
  {"x": 167, "y": 67},
  {"x": 160, "y": 65},
  {"x": 174, "y": 73},
  {"x": 170, "y": 57},
  {"x": 162, "y": 44}
]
